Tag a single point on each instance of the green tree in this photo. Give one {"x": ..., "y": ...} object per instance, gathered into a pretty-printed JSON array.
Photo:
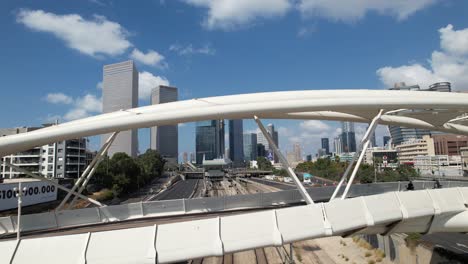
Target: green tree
[
  {"x": 151, "y": 164},
  {"x": 264, "y": 164}
]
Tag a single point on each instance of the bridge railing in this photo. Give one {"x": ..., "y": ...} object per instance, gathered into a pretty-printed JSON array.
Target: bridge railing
[{"x": 124, "y": 212}]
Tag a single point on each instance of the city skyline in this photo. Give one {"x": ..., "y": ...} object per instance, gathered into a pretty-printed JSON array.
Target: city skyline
[{"x": 200, "y": 57}]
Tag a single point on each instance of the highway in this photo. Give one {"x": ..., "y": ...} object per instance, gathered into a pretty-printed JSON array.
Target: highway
[
  {"x": 278, "y": 185},
  {"x": 453, "y": 242},
  {"x": 180, "y": 190},
  {"x": 290, "y": 186}
]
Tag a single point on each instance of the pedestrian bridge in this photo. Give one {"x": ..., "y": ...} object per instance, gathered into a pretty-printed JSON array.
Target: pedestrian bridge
[{"x": 425, "y": 211}]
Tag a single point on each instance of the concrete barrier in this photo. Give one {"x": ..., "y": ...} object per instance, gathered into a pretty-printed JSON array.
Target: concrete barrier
[
  {"x": 6, "y": 225},
  {"x": 160, "y": 208},
  {"x": 34, "y": 222},
  {"x": 201, "y": 205},
  {"x": 242, "y": 201},
  {"x": 78, "y": 217},
  {"x": 121, "y": 212}
]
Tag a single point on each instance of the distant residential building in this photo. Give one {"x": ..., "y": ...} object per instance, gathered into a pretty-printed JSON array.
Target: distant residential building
[
  {"x": 448, "y": 144},
  {"x": 464, "y": 160},
  {"x": 250, "y": 146},
  {"x": 381, "y": 157},
  {"x": 165, "y": 139},
  {"x": 236, "y": 141},
  {"x": 192, "y": 157},
  {"x": 209, "y": 140},
  {"x": 326, "y": 145},
  {"x": 348, "y": 137},
  {"x": 309, "y": 157},
  {"x": 185, "y": 157},
  {"x": 120, "y": 92},
  {"x": 63, "y": 159},
  {"x": 409, "y": 150}
]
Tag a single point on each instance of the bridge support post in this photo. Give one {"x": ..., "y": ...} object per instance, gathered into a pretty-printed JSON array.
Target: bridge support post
[
  {"x": 53, "y": 183},
  {"x": 88, "y": 173},
  {"x": 362, "y": 151},
  {"x": 284, "y": 162},
  {"x": 369, "y": 131}
]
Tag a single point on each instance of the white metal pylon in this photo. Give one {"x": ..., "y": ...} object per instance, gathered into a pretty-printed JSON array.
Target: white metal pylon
[
  {"x": 93, "y": 163},
  {"x": 284, "y": 162},
  {"x": 360, "y": 151}
]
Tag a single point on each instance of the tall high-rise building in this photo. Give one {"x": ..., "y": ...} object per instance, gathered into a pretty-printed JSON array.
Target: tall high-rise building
[
  {"x": 262, "y": 140},
  {"x": 261, "y": 151},
  {"x": 250, "y": 146},
  {"x": 185, "y": 157},
  {"x": 165, "y": 139},
  {"x": 326, "y": 145},
  {"x": 337, "y": 145},
  {"x": 297, "y": 152},
  {"x": 372, "y": 139},
  {"x": 386, "y": 140},
  {"x": 120, "y": 92},
  {"x": 236, "y": 141},
  {"x": 209, "y": 140},
  {"x": 348, "y": 137},
  {"x": 402, "y": 134}
]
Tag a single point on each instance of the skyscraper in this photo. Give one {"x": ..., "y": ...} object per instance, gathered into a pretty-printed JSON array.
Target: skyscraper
[
  {"x": 348, "y": 138},
  {"x": 401, "y": 134},
  {"x": 250, "y": 146},
  {"x": 165, "y": 139},
  {"x": 326, "y": 145},
  {"x": 120, "y": 92},
  {"x": 297, "y": 152},
  {"x": 337, "y": 145},
  {"x": 209, "y": 140},
  {"x": 236, "y": 141},
  {"x": 372, "y": 139},
  {"x": 262, "y": 140},
  {"x": 386, "y": 140}
]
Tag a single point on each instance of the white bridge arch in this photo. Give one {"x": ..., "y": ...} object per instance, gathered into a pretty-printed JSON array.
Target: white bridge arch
[
  {"x": 432, "y": 110},
  {"x": 439, "y": 210}
]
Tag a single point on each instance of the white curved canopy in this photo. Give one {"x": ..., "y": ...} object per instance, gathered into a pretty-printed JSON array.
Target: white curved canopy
[{"x": 428, "y": 110}]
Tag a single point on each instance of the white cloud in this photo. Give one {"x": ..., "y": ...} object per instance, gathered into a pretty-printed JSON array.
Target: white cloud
[
  {"x": 190, "y": 50},
  {"x": 228, "y": 14},
  {"x": 454, "y": 41},
  {"x": 99, "y": 85},
  {"x": 314, "y": 126},
  {"x": 81, "y": 106},
  {"x": 450, "y": 64},
  {"x": 91, "y": 37},
  {"x": 58, "y": 98},
  {"x": 352, "y": 10},
  {"x": 84, "y": 106},
  {"x": 147, "y": 81},
  {"x": 151, "y": 58}
]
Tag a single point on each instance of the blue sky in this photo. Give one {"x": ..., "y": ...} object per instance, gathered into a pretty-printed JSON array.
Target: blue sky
[{"x": 53, "y": 52}]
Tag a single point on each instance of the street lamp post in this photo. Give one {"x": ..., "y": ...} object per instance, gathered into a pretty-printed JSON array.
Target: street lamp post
[{"x": 19, "y": 194}]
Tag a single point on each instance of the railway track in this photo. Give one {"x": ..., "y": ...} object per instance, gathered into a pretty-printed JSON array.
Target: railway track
[{"x": 270, "y": 255}]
